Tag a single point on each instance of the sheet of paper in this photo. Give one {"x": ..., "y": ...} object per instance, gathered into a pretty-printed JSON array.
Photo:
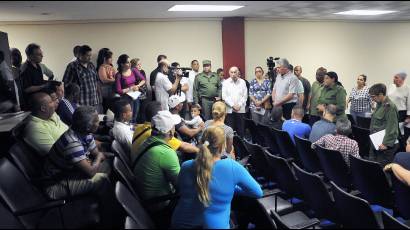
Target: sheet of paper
[
  {"x": 377, "y": 138},
  {"x": 134, "y": 95},
  {"x": 401, "y": 126}
]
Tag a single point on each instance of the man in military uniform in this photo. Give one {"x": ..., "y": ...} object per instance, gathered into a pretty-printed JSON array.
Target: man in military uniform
[
  {"x": 385, "y": 117},
  {"x": 207, "y": 89},
  {"x": 332, "y": 93}
]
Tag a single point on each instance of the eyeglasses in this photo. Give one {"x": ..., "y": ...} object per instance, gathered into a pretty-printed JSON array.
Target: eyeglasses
[{"x": 258, "y": 71}]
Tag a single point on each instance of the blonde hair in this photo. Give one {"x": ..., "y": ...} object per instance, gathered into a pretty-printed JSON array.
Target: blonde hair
[
  {"x": 134, "y": 62},
  {"x": 213, "y": 143},
  {"x": 218, "y": 110}
]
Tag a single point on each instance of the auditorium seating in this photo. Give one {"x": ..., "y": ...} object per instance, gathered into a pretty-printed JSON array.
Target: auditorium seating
[
  {"x": 307, "y": 155},
  {"x": 390, "y": 222},
  {"x": 286, "y": 147},
  {"x": 361, "y": 135}
]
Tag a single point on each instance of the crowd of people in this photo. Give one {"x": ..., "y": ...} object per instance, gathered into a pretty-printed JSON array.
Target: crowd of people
[{"x": 178, "y": 129}]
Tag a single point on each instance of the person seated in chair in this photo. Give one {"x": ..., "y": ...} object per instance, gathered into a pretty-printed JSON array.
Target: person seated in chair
[
  {"x": 69, "y": 103},
  {"x": 276, "y": 119},
  {"x": 175, "y": 104},
  {"x": 44, "y": 126},
  {"x": 76, "y": 165},
  {"x": 340, "y": 142},
  {"x": 143, "y": 131},
  {"x": 401, "y": 165},
  {"x": 326, "y": 125},
  {"x": 295, "y": 126},
  {"x": 156, "y": 165},
  {"x": 122, "y": 130}
]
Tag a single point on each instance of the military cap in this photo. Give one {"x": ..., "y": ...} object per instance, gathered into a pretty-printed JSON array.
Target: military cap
[{"x": 206, "y": 62}]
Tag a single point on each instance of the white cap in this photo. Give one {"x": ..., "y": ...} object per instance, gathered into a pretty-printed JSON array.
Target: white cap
[
  {"x": 175, "y": 100},
  {"x": 164, "y": 121}
]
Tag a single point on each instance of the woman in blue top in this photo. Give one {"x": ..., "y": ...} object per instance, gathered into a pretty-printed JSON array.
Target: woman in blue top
[{"x": 207, "y": 185}]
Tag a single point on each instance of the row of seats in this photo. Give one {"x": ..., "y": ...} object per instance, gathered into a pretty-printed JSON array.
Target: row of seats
[{"x": 365, "y": 176}]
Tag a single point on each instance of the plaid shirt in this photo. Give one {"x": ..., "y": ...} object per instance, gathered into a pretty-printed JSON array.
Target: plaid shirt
[
  {"x": 361, "y": 101},
  {"x": 340, "y": 143},
  {"x": 87, "y": 79}
]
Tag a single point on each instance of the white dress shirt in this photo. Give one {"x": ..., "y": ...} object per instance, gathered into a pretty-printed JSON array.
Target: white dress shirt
[
  {"x": 162, "y": 85},
  {"x": 191, "y": 79},
  {"x": 123, "y": 134},
  {"x": 400, "y": 97},
  {"x": 234, "y": 93}
]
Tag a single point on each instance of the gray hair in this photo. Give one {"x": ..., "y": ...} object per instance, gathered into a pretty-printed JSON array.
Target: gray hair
[
  {"x": 402, "y": 75},
  {"x": 83, "y": 119},
  {"x": 331, "y": 109},
  {"x": 284, "y": 62},
  {"x": 343, "y": 127}
]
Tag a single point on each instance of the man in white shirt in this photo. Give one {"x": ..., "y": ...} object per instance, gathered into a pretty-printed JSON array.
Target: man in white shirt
[
  {"x": 122, "y": 130},
  {"x": 235, "y": 94},
  {"x": 399, "y": 93},
  {"x": 163, "y": 86},
  {"x": 191, "y": 79},
  {"x": 284, "y": 91}
]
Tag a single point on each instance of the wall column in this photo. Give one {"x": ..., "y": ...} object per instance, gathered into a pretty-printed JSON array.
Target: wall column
[{"x": 233, "y": 43}]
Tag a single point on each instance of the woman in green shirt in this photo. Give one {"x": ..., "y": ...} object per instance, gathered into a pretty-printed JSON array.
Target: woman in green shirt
[{"x": 332, "y": 93}]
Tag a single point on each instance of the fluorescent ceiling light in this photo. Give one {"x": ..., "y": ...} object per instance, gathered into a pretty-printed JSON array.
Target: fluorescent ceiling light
[
  {"x": 204, "y": 8},
  {"x": 366, "y": 12}
]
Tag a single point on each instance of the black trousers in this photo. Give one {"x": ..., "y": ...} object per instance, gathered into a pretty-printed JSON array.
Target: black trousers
[
  {"x": 383, "y": 157},
  {"x": 236, "y": 122},
  {"x": 287, "y": 110}
]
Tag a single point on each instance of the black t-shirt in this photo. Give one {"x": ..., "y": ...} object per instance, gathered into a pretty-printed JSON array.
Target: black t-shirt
[
  {"x": 153, "y": 76},
  {"x": 32, "y": 76}
]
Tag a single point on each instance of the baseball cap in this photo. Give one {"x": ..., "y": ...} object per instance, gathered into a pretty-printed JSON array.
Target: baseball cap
[
  {"x": 175, "y": 100},
  {"x": 164, "y": 121}
]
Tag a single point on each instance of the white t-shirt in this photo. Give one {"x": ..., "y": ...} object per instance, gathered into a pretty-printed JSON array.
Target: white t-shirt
[
  {"x": 195, "y": 122},
  {"x": 400, "y": 97},
  {"x": 162, "y": 85},
  {"x": 191, "y": 79},
  {"x": 123, "y": 134},
  {"x": 235, "y": 93}
]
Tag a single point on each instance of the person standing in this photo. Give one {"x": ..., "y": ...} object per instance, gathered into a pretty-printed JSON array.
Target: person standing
[
  {"x": 306, "y": 86},
  {"x": 259, "y": 93},
  {"x": 83, "y": 73},
  {"x": 332, "y": 93},
  {"x": 235, "y": 94},
  {"x": 207, "y": 89},
  {"x": 191, "y": 79},
  {"x": 153, "y": 75},
  {"x": 385, "y": 117},
  {"x": 129, "y": 80},
  {"x": 284, "y": 91},
  {"x": 163, "y": 86},
  {"x": 106, "y": 73},
  {"x": 315, "y": 92},
  {"x": 361, "y": 103}
]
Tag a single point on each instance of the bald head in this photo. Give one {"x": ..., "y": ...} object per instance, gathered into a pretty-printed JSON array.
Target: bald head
[
  {"x": 298, "y": 71},
  {"x": 42, "y": 105},
  {"x": 298, "y": 112},
  {"x": 234, "y": 73}
]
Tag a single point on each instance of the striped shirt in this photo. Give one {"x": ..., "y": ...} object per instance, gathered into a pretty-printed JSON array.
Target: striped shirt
[
  {"x": 361, "y": 101},
  {"x": 66, "y": 110},
  {"x": 69, "y": 149}
]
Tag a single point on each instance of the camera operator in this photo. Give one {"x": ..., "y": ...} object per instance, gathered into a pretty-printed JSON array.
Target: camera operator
[
  {"x": 183, "y": 86},
  {"x": 163, "y": 86}
]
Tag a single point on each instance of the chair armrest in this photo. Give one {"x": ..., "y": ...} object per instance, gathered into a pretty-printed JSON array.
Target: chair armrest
[
  {"x": 159, "y": 199},
  {"x": 45, "y": 206},
  {"x": 109, "y": 155},
  {"x": 308, "y": 224}
]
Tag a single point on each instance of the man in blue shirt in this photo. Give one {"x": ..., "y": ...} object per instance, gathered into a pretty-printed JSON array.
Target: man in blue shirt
[
  {"x": 326, "y": 125},
  {"x": 294, "y": 126}
]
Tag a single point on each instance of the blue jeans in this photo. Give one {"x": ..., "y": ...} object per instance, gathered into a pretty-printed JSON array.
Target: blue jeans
[
  {"x": 358, "y": 114},
  {"x": 135, "y": 105}
]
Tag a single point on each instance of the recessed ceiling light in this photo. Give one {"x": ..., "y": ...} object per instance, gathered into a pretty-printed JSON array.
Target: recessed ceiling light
[
  {"x": 204, "y": 8},
  {"x": 366, "y": 12}
]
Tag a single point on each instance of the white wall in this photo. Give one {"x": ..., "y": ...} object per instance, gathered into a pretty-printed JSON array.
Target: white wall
[
  {"x": 375, "y": 49},
  {"x": 181, "y": 41}
]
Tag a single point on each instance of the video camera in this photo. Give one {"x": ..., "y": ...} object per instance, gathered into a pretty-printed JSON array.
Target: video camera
[
  {"x": 180, "y": 71},
  {"x": 271, "y": 63}
]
